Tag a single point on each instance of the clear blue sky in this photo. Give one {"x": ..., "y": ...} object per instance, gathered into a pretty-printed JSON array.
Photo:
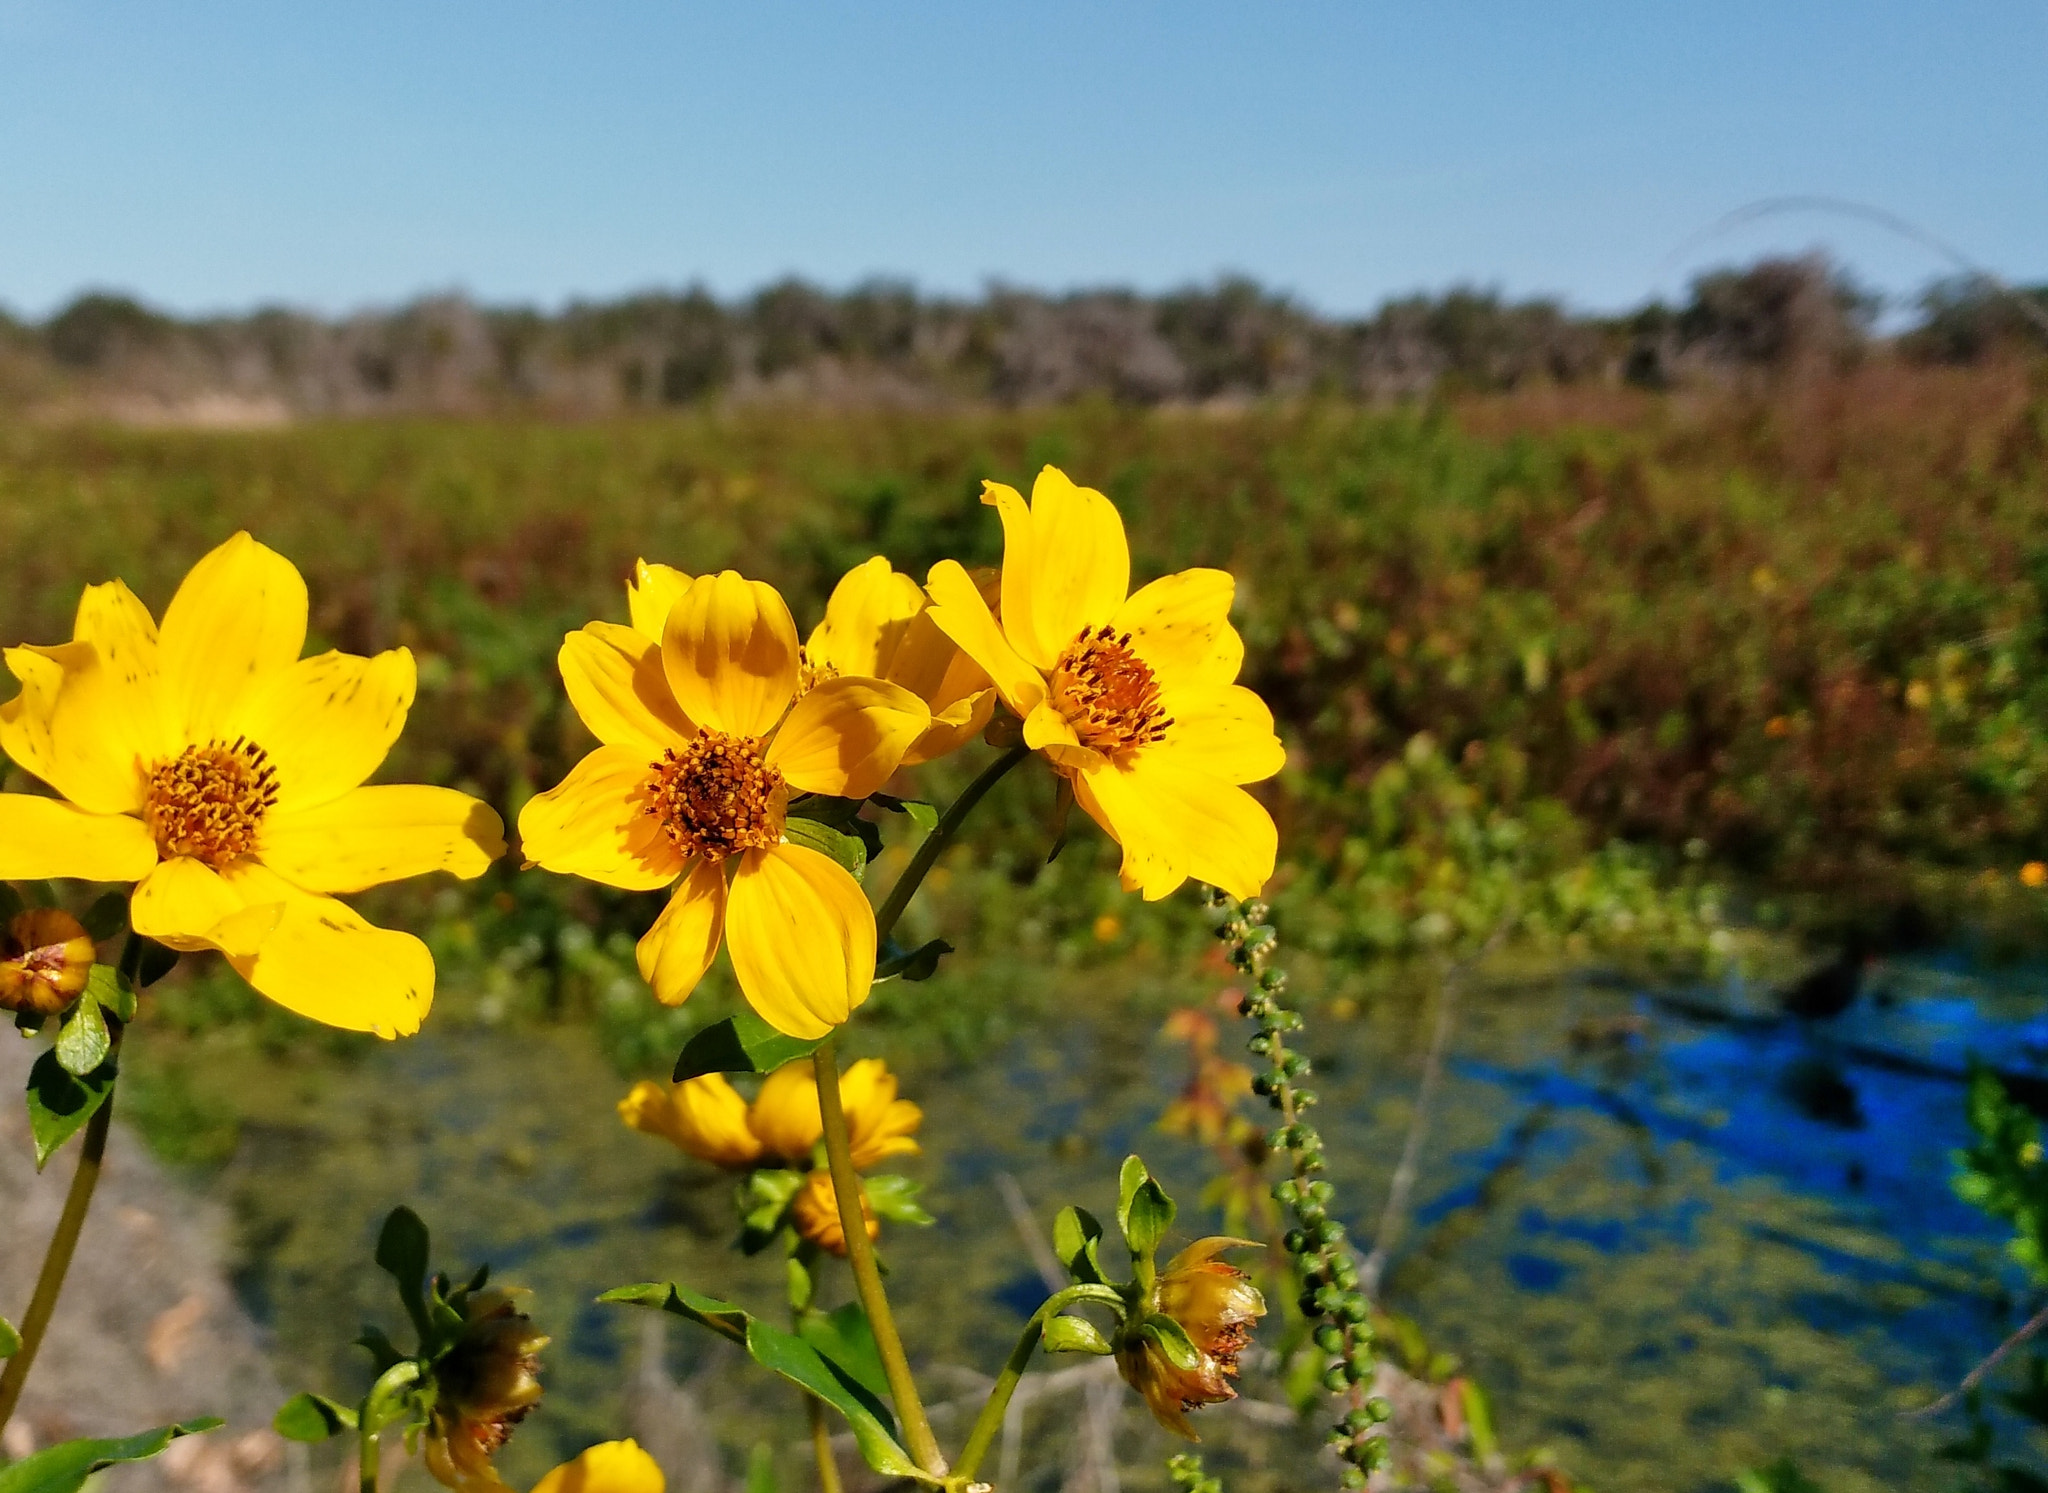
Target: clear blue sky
[{"x": 209, "y": 155}]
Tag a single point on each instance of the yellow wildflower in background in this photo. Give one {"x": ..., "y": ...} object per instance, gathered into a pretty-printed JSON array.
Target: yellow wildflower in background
[
  {"x": 706, "y": 1118},
  {"x": 703, "y": 738},
  {"x": 878, "y": 623},
  {"x": 816, "y": 1212},
  {"x": 210, "y": 764},
  {"x": 608, "y": 1467},
  {"x": 1132, "y": 696}
]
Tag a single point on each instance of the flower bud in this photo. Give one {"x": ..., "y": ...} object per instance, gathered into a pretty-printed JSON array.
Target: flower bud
[
  {"x": 1215, "y": 1304},
  {"x": 816, "y": 1212},
  {"x": 485, "y": 1385},
  {"x": 45, "y": 960}
]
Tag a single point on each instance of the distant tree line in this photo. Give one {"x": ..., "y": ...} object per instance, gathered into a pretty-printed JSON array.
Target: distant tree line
[{"x": 883, "y": 343}]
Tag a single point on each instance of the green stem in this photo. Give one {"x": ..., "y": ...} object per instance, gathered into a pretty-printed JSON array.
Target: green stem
[
  {"x": 941, "y": 836},
  {"x": 63, "y": 1244},
  {"x": 367, "y": 1447},
  {"x": 990, "y": 1420},
  {"x": 867, "y": 1277},
  {"x": 821, "y": 1443}
]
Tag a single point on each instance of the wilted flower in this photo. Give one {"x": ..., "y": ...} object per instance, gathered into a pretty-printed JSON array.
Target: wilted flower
[
  {"x": 705, "y": 1117},
  {"x": 609, "y": 1467},
  {"x": 1215, "y": 1304},
  {"x": 705, "y": 730},
  {"x": 45, "y": 960},
  {"x": 1131, "y": 696},
  {"x": 816, "y": 1212},
  {"x": 211, "y": 765},
  {"x": 878, "y": 624},
  {"x": 485, "y": 1384}
]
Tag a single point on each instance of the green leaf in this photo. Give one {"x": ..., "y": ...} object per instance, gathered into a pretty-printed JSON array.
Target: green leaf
[
  {"x": 922, "y": 814},
  {"x": 64, "y": 1467},
  {"x": 1129, "y": 1179},
  {"x": 59, "y": 1102},
  {"x": 801, "y": 1287},
  {"x": 311, "y": 1417},
  {"x": 1075, "y": 1233},
  {"x": 1074, "y": 1335},
  {"x": 106, "y": 985},
  {"x": 895, "y": 1198},
  {"x": 402, "y": 1248},
  {"x": 920, "y": 963},
  {"x": 843, "y": 1337},
  {"x": 394, "y": 1397},
  {"x": 1149, "y": 1216},
  {"x": 1173, "y": 1341},
  {"x": 380, "y": 1347},
  {"x": 763, "y": 1200},
  {"x": 145, "y": 961},
  {"x": 838, "y": 1385},
  {"x": 847, "y": 851},
  {"x": 10, "y": 1340},
  {"x": 83, "y": 1042},
  {"x": 740, "y": 1044},
  {"x": 107, "y": 916}
]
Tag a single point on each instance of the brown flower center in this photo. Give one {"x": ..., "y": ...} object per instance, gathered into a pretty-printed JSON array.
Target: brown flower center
[
  {"x": 1108, "y": 694},
  {"x": 209, "y": 801},
  {"x": 717, "y": 797}
]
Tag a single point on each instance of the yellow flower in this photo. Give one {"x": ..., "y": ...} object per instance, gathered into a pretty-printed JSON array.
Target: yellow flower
[
  {"x": 878, "y": 624},
  {"x": 45, "y": 960},
  {"x": 1131, "y": 696},
  {"x": 703, "y": 740},
  {"x": 213, "y": 766},
  {"x": 2034, "y": 873},
  {"x": 816, "y": 1212},
  {"x": 1216, "y": 1304},
  {"x": 706, "y": 1118},
  {"x": 484, "y": 1386},
  {"x": 609, "y": 1467}
]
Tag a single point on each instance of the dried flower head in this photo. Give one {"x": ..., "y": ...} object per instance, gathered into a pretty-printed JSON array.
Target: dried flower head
[
  {"x": 486, "y": 1383},
  {"x": 45, "y": 960},
  {"x": 1215, "y": 1304}
]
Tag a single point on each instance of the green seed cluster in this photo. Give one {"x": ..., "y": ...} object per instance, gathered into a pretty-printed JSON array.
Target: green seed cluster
[
  {"x": 1325, "y": 1265},
  {"x": 1189, "y": 1476}
]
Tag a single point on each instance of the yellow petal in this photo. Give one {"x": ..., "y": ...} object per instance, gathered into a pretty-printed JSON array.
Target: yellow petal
[
  {"x": 105, "y": 731},
  {"x": 1223, "y": 730},
  {"x": 614, "y": 679},
  {"x": 324, "y": 961},
  {"x": 931, "y": 665},
  {"x": 25, "y": 720},
  {"x": 46, "y": 837},
  {"x": 327, "y": 722},
  {"x": 879, "y": 1125},
  {"x": 704, "y": 1117},
  {"x": 609, "y": 1467},
  {"x": 1180, "y": 625},
  {"x": 1020, "y": 570},
  {"x": 1077, "y": 571},
  {"x": 952, "y": 728},
  {"x": 369, "y": 836},
  {"x": 595, "y": 824},
  {"x": 960, "y": 612},
  {"x": 239, "y": 616},
  {"x": 847, "y": 736},
  {"x": 676, "y": 951},
  {"x": 865, "y": 620},
  {"x": 649, "y": 595},
  {"x": 118, "y": 625},
  {"x": 1174, "y": 823},
  {"x": 785, "y": 1116},
  {"x": 187, "y": 905},
  {"x": 730, "y": 652},
  {"x": 802, "y": 938}
]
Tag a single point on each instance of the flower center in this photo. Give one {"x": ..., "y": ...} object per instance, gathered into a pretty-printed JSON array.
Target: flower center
[
  {"x": 1107, "y": 693},
  {"x": 716, "y": 797},
  {"x": 208, "y": 801},
  {"x": 809, "y": 675}
]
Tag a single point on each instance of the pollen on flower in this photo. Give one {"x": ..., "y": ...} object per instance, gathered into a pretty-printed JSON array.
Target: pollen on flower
[
  {"x": 1108, "y": 694},
  {"x": 810, "y": 673},
  {"x": 209, "y": 801},
  {"x": 716, "y": 796}
]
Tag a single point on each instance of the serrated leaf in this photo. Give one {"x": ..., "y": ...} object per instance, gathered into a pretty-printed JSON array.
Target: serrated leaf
[
  {"x": 145, "y": 961},
  {"x": 105, "y": 985},
  {"x": 83, "y": 1042},
  {"x": 845, "y": 850},
  {"x": 312, "y": 1418},
  {"x": 895, "y": 1198},
  {"x": 10, "y": 1340},
  {"x": 1075, "y": 1234},
  {"x": 844, "y": 1337},
  {"x": 403, "y": 1245},
  {"x": 740, "y": 1044},
  {"x": 1074, "y": 1335},
  {"x": 920, "y": 963},
  {"x": 60, "y": 1102},
  {"x": 1173, "y": 1341},
  {"x": 107, "y": 916},
  {"x": 64, "y": 1467}
]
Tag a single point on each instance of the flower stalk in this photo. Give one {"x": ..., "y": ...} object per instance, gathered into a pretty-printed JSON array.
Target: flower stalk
[
  {"x": 990, "y": 1421},
  {"x": 63, "y": 1243},
  {"x": 941, "y": 836}
]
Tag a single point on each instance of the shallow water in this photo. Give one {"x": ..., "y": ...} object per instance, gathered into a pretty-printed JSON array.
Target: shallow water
[{"x": 1669, "y": 1246}]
